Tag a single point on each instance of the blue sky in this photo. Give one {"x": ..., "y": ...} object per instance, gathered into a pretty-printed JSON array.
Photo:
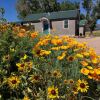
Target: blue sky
[{"x": 10, "y": 9}]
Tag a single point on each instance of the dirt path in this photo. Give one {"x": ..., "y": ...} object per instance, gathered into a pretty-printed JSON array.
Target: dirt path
[{"x": 93, "y": 42}]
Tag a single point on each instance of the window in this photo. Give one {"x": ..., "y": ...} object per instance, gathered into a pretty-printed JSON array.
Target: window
[{"x": 65, "y": 23}]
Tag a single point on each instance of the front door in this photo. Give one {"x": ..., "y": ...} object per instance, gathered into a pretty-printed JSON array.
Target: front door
[{"x": 45, "y": 27}]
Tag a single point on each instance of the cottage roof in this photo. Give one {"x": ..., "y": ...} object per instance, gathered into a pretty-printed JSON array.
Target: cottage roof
[{"x": 53, "y": 15}]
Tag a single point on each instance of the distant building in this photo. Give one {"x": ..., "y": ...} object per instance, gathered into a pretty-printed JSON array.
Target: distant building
[{"x": 63, "y": 22}]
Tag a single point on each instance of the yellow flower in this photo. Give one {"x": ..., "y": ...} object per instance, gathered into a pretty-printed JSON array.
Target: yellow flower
[
  {"x": 56, "y": 41},
  {"x": 34, "y": 78},
  {"x": 94, "y": 60},
  {"x": 62, "y": 56},
  {"x": 29, "y": 65},
  {"x": 92, "y": 52},
  {"x": 21, "y": 66},
  {"x": 56, "y": 74},
  {"x": 70, "y": 81},
  {"x": 65, "y": 81},
  {"x": 90, "y": 74},
  {"x": 44, "y": 52},
  {"x": 84, "y": 63},
  {"x": 12, "y": 49},
  {"x": 97, "y": 71},
  {"x": 55, "y": 48},
  {"x": 89, "y": 67},
  {"x": 64, "y": 47},
  {"x": 76, "y": 50},
  {"x": 79, "y": 55},
  {"x": 24, "y": 57},
  {"x": 26, "y": 98},
  {"x": 82, "y": 85},
  {"x": 6, "y": 58},
  {"x": 75, "y": 90},
  {"x": 81, "y": 45},
  {"x": 13, "y": 81},
  {"x": 85, "y": 71},
  {"x": 85, "y": 54},
  {"x": 52, "y": 92},
  {"x": 71, "y": 58}
]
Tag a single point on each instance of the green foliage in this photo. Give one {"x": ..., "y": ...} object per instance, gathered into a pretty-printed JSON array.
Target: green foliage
[
  {"x": 2, "y": 12},
  {"x": 68, "y": 5},
  {"x": 26, "y": 7},
  {"x": 82, "y": 16},
  {"x": 91, "y": 14}
]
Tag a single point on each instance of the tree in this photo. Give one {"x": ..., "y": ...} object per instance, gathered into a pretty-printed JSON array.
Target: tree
[
  {"x": 91, "y": 14},
  {"x": 82, "y": 16},
  {"x": 2, "y": 11},
  {"x": 97, "y": 9},
  {"x": 26, "y": 7},
  {"x": 68, "y": 5}
]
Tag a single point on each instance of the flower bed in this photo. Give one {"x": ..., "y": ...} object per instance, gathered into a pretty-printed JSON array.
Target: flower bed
[{"x": 34, "y": 66}]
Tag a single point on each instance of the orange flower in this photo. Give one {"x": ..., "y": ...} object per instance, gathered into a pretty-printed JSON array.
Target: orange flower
[
  {"x": 97, "y": 71},
  {"x": 85, "y": 71},
  {"x": 56, "y": 41},
  {"x": 94, "y": 60},
  {"x": 84, "y": 63},
  {"x": 90, "y": 74},
  {"x": 34, "y": 34},
  {"x": 21, "y": 34}
]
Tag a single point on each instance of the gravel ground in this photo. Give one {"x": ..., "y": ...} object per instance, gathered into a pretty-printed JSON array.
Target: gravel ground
[{"x": 93, "y": 42}]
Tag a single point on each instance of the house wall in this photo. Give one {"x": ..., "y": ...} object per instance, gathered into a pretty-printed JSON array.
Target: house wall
[
  {"x": 58, "y": 27},
  {"x": 38, "y": 26}
]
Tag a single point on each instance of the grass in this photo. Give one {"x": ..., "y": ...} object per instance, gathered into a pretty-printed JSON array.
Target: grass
[{"x": 96, "y": 33}]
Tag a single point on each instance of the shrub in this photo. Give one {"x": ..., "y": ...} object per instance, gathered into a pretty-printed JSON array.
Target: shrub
[{"x": 36, "y": 67}]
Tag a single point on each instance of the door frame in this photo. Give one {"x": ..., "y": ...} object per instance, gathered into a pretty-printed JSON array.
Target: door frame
[{"x": 42, "y": 21}]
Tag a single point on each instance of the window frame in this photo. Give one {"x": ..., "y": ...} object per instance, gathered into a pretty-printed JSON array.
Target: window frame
[{"x": 64, "y": 24}]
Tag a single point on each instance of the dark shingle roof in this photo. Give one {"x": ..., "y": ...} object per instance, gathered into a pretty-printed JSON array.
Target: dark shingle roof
[{"x": 53, "y": 15}]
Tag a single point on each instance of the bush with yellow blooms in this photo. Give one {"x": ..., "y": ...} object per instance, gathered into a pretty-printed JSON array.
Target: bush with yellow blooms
[{"x": 34, "y": 66}]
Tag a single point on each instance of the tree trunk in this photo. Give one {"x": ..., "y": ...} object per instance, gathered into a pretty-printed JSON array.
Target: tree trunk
[{"x": 91, "y": 33}]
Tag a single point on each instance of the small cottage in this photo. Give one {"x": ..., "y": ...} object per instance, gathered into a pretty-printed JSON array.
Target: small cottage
[{"x": 63, "y": 22}]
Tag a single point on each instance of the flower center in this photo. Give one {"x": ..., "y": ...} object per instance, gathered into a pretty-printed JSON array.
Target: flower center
[
  {"x": 71, "y": 58},
  {"x": 36, "y": 77},
  {"x": 53, "y": 92},
  {"x": 14, "y": 81},
  {"x": 82, "y": 85},
  {"x": 71, "y": 81},
  {"x": 55, "y": 74},
  {"x": 7, "y": 57},
  {"x": 75, "y": 89},
  {"x": 22, "y": 65},
  {"x": 38, "y": 52}
]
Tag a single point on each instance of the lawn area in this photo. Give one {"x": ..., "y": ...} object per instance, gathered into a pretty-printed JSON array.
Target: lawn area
[{"x": 96, "y": 33}]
